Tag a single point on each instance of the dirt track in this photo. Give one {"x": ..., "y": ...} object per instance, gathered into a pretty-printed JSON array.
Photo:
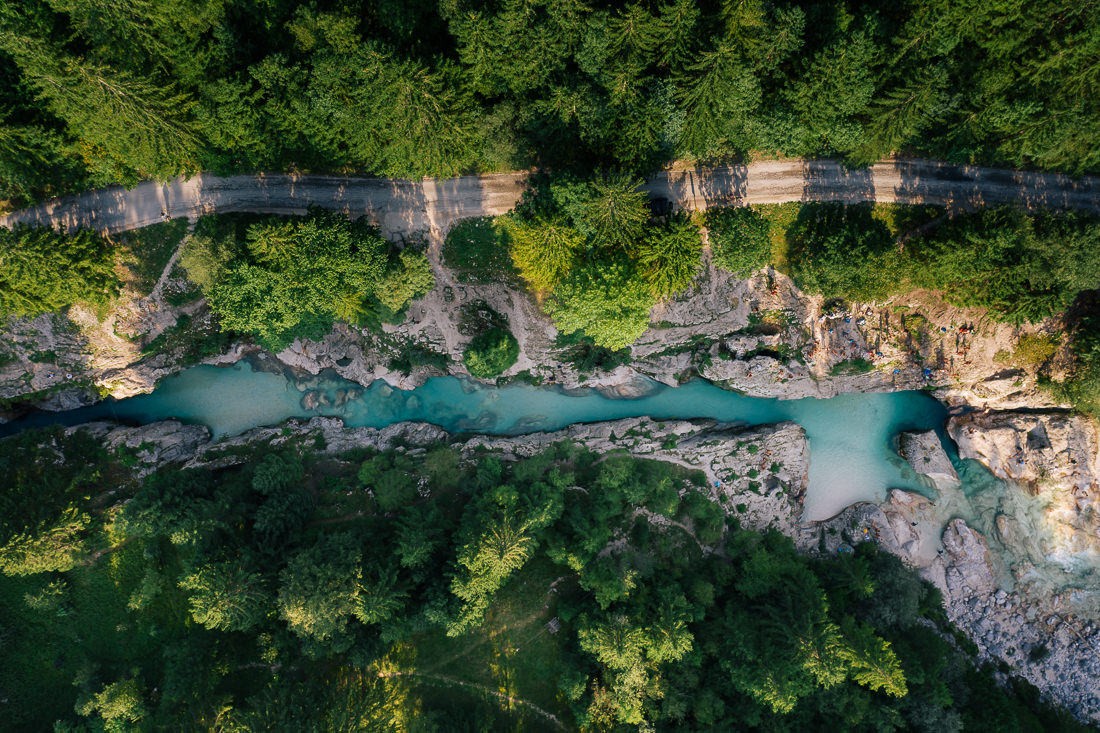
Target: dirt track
[{"x": 402, "y": 206}]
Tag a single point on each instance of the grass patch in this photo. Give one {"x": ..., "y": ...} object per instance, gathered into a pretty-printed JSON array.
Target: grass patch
[
  {"x": 194, "y": 341},
  {"x": 769, "y": 323},
  {"x": 477, "y": 250},
  {"x": 780, "y": 218},
  {"x": 147, "y": 251},
  {"x": 1035, "y": 350},
  {"x": 513, "y": 653},
  {"x": 180, "y": 290},
  {"x": 849, "y": 367}
]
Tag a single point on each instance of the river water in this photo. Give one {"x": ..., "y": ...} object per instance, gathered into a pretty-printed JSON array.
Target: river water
[{"x": 850, "y": 436}]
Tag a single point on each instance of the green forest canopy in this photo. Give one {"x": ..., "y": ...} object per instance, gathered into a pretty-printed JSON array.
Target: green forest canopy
[
  {"x": 281, "y": 278},
  {"x": 289, "y": 590},
  {"x": 95, "y": 91}
]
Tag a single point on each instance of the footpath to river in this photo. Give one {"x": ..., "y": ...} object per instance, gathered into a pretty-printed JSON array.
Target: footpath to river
[{"x": 404, "y": 206}]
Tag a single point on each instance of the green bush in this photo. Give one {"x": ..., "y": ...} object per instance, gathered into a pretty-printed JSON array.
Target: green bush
[
  {"x": 740, "y": 239},
  {"x": 850, "y": 367},
  {"x": 608, "y": 302},
  {"x": 843, "y": 251},
  {"x": 491, "y": 353}
]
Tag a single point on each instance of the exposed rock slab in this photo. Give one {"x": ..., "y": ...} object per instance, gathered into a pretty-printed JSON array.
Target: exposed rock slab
[
  {"x": 924, "y": 452},
  {"x": 155, "y": 444},
  {"x": 1035, "y": 448}
]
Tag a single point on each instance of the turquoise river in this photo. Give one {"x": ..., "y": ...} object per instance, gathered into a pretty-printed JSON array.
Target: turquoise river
[{"x": 851, "y": 436}]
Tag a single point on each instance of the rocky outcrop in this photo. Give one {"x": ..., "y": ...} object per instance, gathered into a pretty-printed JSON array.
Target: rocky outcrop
[
  {"x": 1057, "y": 457},
  {"x": 1037, "y": 637},
  {"x": 1035, "y": 448},
  {"x": 152, "y": 445},
  {"x": 924, "y": 452},
  {"x": 1016, "y": 559},
  {"x": 1037, "y": 634}
]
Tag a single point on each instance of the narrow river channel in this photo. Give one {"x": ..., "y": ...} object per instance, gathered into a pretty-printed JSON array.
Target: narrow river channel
[{"x": 851, "y": 436}]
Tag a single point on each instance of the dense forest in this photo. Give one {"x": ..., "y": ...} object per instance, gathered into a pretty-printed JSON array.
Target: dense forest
[
  {"x": 94, "y": 92},
  {"x": 282, "y": 588}
]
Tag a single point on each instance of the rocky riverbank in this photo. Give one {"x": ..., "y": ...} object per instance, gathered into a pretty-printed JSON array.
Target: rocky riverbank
[
  {"x": 1017, "y": 562},
  {"x": 760, "y": 336},
  {"x": 1014, "y": 569}
]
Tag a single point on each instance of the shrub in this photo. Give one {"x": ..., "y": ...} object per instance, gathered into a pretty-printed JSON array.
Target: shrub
[
  {"x": 739, "y": 238},
  {"x": 850, "y": 367},
  {"x": 609, "y": 303},
  {"x": 669, "y": 257},
  {"x": 491, "y": 353}
]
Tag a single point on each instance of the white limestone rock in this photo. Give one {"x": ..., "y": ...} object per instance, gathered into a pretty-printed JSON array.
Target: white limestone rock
[{"x": 924, "y": 452}]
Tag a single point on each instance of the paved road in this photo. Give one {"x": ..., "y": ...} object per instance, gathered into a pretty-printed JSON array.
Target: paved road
[{"x": 401, "y": 206}]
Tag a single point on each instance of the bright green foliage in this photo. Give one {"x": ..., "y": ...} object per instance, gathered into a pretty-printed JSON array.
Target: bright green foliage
[
  {"x": 500, "y": 540},
  {"x": 491, "y": 352},
  {"x": 607, "y": 302},
  {"x": 593, "y": 247},
  {"x": 872, "y": 663},
  {"x": 118, "y": 704},
  {"x": 1035, "y": 350},
  {"x": 53, "y": 547},
  {"x": 408, "y": 278},
  {"x": 319, "y": 590},
  {"x": 543, "y": 251},
  {"x": 611, "y": 213},
  {"x": 669, "y": 256},
  {"x": 32, "y": 262},
  {"x": 205, "y": 258},
  {"x": 226, "y": 596},
  {"x": 291, "y": 277},
  {"x": 295, "y": 275},
  {"x": 739, "y": 239}
]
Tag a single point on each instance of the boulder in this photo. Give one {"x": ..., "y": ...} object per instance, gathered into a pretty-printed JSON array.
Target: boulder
[
  {"x": 155, "y": 444},
  {"x": 968, "y": 565},
  {"x": 924, "y": 452}
]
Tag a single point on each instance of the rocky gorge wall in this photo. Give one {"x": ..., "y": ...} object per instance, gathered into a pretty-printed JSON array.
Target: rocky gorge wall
[{"x": 761, "y": 336}]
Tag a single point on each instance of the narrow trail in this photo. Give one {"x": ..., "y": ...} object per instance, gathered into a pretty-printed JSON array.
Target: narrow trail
[
  {"x": 158, "y": 289},
  {"x": 486, "y": 690},
  {"x": 401, "y": 207}
]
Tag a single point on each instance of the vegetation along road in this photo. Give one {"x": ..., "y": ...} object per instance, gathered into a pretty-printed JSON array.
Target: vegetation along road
[{"x": 403, "y": 205}]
